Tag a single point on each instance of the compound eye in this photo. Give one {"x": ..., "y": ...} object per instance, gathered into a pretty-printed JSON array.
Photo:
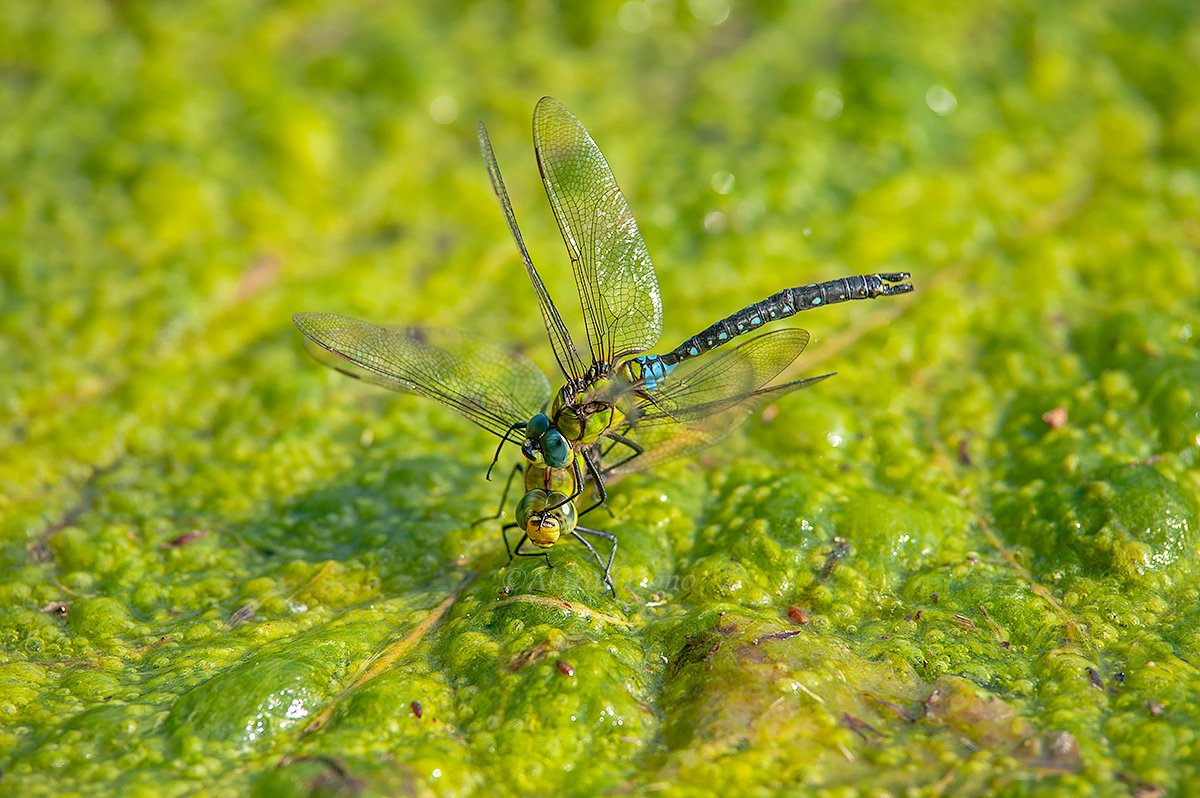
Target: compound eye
[
  {"x": 537, "y": 426},
  {"x": 556, "y": 449}
]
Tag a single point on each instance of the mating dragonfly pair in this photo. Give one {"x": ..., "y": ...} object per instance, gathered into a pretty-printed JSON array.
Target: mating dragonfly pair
[{"x": 625, "y": 410}]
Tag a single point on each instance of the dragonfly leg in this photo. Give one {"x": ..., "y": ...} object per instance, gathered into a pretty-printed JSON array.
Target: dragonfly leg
[
  {"x": 517, "y": 551},
  {"x": 611, "y": 555},
  {"x": 598, "y": 502},
  {"x": 578, "y": 489},
  {"x": 504, "y": 533},
  {"x": 496, "y": 457},
  {"x": 597, "y": 480},
  {"x": 517, "y": 469},
  {"x": 635, "y": 449}
]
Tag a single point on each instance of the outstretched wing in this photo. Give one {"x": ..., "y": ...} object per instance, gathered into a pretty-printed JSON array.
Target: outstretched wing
[
  {"x": 705, "y": 399},
  {"x": 617, "y": 285},
  {"x": 489, "y": 384},
  {"x": 560, "y": 337}
]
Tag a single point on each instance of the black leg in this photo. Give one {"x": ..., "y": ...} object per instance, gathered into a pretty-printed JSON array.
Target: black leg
[
  {"x": 500, "y": 445},
  {"x": 598, "y": 481},
  {"x": 635, "y": 449},
  {"x": 611, "y": 555},
  {"x": 504, "y": 533},
  {"x": 517, "y": 469}
]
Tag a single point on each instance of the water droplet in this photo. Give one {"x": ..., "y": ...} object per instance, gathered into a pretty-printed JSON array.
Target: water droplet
[
  {"x": 710, "y": 12},
  {"x": 634, "y": 16},
  {"x": 722, "y": 182},
  {"x": 828, "y": 104},
  {"x": 715, "y": 222},
  {"x": 940, "y": 100},
  {"x": 296, "y": 709}
]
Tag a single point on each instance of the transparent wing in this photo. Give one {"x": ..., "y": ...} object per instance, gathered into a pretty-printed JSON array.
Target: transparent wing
[
  {"x": 560, "y": 337},
  {"x": 489, "y": 384},
  {"x": 704, "y": 400},
  {"x": 617, "y": 285},
  {"x": 702, "y": 386},
  {"x": 664, "y": 442}
]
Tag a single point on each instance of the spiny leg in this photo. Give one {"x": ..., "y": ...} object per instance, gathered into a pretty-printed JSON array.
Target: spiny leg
[
  {"x": 504, "y": 533},
  {"x": 635, "y": 449},
  {"x": 597, "y": 457},
  {"x": 517, "y": 469},
  {"x": 597, "y": 480},
  {"x": 610, "y": 537},
  {"x": 503, "y": 440}
]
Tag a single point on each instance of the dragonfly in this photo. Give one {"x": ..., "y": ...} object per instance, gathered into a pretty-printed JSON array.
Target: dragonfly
[
  {"x": 655, "y": 407},
  {"x": 622, "y": 389}
]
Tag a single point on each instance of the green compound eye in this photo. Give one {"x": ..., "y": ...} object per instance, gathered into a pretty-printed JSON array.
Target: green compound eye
[
  {"x": 537, "y": 426},
  {"x": 556, "y": 449}
]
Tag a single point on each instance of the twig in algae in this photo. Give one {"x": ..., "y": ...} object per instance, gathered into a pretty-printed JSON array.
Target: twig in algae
[
  {"x": 248, "y": 610},
  {"x": 581, "y": 610},
  {"x": 386, "y": 658}
]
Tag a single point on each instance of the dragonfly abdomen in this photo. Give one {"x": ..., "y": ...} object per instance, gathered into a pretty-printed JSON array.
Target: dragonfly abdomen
[{"x": 788, "y": 302}]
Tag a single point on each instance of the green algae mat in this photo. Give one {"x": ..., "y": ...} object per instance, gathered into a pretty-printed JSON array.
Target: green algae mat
[{"x": 966, "y": 565}]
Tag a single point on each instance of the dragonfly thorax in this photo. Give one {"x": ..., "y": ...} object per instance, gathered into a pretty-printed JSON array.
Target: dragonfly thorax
[
  {"x": 544, "y": 527},
  {"x": 583, "y": 416}
]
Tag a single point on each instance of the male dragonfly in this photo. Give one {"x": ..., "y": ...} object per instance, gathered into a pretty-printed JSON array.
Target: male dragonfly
[
  {"x": 655, "y": 406},
  {"x": 622, "y": 310}
]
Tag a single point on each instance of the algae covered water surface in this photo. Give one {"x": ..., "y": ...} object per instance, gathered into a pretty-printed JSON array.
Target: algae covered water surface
[{"x": 965, "y": 565}]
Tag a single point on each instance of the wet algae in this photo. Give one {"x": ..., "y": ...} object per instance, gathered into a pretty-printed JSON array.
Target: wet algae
[{"x": 225, "y": 571}]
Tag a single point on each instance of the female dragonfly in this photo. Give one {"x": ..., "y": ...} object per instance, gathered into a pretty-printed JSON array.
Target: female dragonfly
[{"x": 655, "y": 406}]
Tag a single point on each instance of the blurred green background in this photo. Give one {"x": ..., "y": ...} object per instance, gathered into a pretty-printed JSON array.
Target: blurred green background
[{"x": 225, "y": 569}]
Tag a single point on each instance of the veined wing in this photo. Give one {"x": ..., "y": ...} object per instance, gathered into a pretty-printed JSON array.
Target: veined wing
[
  {"x": 489, "y": 384},
  {"x": 617, "y": 285},
  {"x": 701, "y": 387},
  {"x": 560, "y": 337},
  {"x": 704, "y": 400},
  {"x": 664, "y": 442}
]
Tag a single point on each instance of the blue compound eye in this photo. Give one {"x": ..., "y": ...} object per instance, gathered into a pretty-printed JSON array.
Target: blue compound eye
[
  {"x": 537, "y": 426},
  {"x": 556, "y": 449}
]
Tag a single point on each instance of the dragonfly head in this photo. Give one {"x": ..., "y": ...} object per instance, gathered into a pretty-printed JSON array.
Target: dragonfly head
[
  {"x": 545, "y": 443},
  {"x": 545, "y": 526}
]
